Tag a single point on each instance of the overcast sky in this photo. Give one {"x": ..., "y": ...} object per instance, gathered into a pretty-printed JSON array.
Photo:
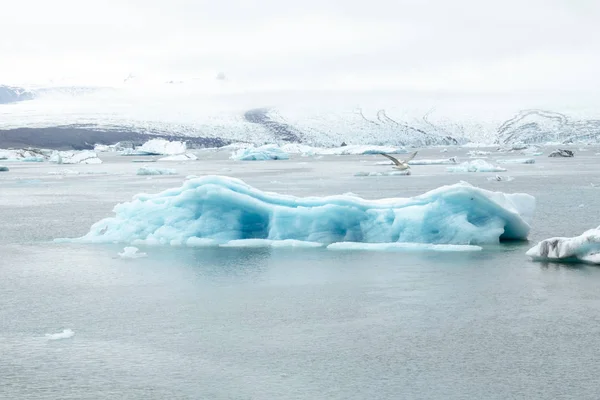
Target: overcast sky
[{"x": 470, "y": 45}]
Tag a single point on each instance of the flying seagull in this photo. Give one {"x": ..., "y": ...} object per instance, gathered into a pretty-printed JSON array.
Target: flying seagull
[{"x": 400, "y": 164}]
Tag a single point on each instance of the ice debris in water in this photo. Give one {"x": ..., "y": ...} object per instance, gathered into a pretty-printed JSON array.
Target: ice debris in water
[
  {"x": 516, "y": 161},
  {"x": 475, "y": 166},
  {"x": 295, "y": 148},
  {"x": 155, "y": 171},
  {"x": 442, "y": 161},
  {"x": 217, "y": 209},
  {"x": 3, "y": 168},
  {"x": 75, "y": 157},
  {"x": 583, "y": 248},
  {"x": 65, "y": 334},
  {"x": 561, "y": 153},
  {"x": 132, "y": 252},
  {"x": 180, "y": 157},
  {"x": 157, "y": 147},
  {"x": 500, "y": 178},
  {"x": 267, "y": 152},
  {"x": 387, "y": 173}
]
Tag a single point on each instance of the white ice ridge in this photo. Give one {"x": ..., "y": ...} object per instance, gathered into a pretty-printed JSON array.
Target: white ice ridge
[
  {"x": 475, "y": 166},
  {"x": 65, "y": 334},
  {"x": 157, "y": 147},
  {"x": 583, "y": 248},
  {"x": 218, "y": 209}
]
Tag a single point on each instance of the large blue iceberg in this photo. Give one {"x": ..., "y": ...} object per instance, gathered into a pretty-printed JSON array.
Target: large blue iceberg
[{"x": 217, "y": 209}]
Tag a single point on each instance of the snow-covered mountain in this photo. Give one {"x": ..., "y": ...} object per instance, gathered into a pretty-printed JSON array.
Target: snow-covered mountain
[{"x": 12, "y": 94}]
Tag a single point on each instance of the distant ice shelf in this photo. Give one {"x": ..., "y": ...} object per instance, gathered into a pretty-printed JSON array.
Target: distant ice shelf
[{"x": 218, "y": 209}]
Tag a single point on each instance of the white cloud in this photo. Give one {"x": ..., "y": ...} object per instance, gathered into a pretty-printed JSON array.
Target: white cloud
[{"x": 418, "y": 44}]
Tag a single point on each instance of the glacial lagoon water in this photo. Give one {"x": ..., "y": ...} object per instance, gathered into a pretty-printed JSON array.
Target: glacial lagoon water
[{"x": 226, "y": 323}]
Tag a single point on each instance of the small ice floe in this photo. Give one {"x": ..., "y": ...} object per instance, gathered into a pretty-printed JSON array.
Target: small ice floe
[
  {"x": 584, "y": 248},
  {"x": 475, "y": 166},
  {"x": 155, "y": 171},
  {"x": 440, "y": 161},
  {"x": 561, "y": 153},
  {"x": 443, "y": 150},
  {"x": 131, "y": 252},
  {"x": 3, "y": 168},
  {"x": 157, "y": 147},
  {"x": 478, "y": 153},
  {"x": 386, "y": 173},
  {"x": 64, "y": 172},
  {"x": 65, "y": 334},
  {"x": 516, "y": 161},
  {"x": 500, "y": 178},
  {"x": 180, "y": 157},
  {"x": 143, "y": 161}
]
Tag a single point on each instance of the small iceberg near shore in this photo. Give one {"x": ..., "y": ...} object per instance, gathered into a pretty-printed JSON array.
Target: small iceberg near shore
[
  {"x": 584, "y": 248},
  {"x": 216, "y": 209}
]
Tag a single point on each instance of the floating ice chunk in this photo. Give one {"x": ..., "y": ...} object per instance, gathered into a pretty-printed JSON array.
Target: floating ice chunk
[
  {"x": 157, "y": 147},
  {"x": 180, "y": 157},
  {"x": 65, "y": 334},
  {"x": 64, "y": 172},
  {"x": 155, "y": 171},
  {"x": 475, "y": 153},
  {"x": 24, "y": 155},
  {"x": 224, "y": 209},
  {"x": 561, "y": 153},
  {"x": 443, "y": 150},
  {"x": 402, "y": 247},
  {"x": 475, "y": 166},
  {"x": 75, "y": 157},
  {"x": 143, "y": 161},
  {"x": 583, "y": 248},
  {"x": 3, "y": 168},
  {"x": 516, "y": 161},
  {"x": 266, "y": 152},
  {"x": 442, "y": 161},
  {"x": 132, "y": 252},
  {"x": 500, "y": 178},
  {"x": 387, "y": 173}
]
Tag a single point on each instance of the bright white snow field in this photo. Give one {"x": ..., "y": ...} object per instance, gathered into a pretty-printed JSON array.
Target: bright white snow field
[{"x": 222, "y": 209}]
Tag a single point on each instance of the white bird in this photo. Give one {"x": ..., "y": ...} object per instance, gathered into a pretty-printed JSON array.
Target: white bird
[{"x": 400, "y": 164}]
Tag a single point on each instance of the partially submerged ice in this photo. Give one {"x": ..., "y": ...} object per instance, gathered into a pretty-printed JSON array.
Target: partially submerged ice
[
  {"x": 155, "y": 171},
  {"x": 262, "y": 153},
  {"x": 3, "y": 168},
  {"x": 475, "y": 166},
  {"x": 215, "y": 210},
  {"x": 583, "y": 248}
]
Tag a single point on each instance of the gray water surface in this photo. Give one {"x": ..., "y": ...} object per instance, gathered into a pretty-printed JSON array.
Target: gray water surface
[{"x": 292, "y": 323}]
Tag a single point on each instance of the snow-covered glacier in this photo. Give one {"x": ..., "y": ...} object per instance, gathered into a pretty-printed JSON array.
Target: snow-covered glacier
[
  {"x": 219, "y": 209},
  {"x": 583, "y": 248}
]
